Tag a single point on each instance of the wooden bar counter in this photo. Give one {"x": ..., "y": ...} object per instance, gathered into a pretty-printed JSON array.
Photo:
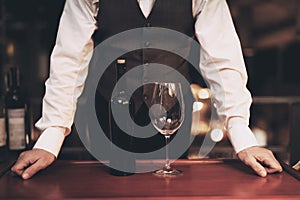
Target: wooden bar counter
[{"x": 201, "y": 179}]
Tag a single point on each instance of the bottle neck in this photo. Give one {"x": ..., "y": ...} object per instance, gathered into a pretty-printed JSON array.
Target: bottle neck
[
  {"x": 13, "y": 81},
  {"x": 120, "y": 71}
]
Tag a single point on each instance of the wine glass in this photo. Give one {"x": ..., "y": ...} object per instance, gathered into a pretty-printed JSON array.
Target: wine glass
[{"x": 167, "y": 114}]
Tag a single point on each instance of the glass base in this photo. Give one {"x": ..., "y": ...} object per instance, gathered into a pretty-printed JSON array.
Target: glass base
[{"x": 167, "y": 172}]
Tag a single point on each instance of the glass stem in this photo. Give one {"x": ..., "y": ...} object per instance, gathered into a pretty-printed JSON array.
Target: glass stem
[{"x": 167, "y": 165}]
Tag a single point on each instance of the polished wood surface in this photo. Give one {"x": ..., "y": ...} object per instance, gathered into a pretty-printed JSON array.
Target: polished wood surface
[{"x": 202, "y": 179}]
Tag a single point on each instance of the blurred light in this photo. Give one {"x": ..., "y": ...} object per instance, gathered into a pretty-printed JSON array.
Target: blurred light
[
  {"x": 260, "y": 135},
  {"x": 197, "y": 106},
  {"x": 195, "y": 88},
  {"x": 249, "y": 52},
  {"x": 204, "y": 93},
  {"x": 216, "y": 135},
  {"x": 10, "y": 49},
  {"x": 199, "y": 127},
  {"x": 214, "y": 105},
  {"x": 203, "y": 127}
]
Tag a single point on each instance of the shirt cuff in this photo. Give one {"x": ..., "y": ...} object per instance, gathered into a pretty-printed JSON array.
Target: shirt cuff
[
  {"x": 240, "y": 135},
  {"x": 51, "y": 140}
]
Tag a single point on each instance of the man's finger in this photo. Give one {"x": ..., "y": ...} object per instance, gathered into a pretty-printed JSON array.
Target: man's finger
[
  {"x": 256, "y": 166},
  {"x": 33, "y": 169},
  {"x": 21, "y": 164},
  {"x": 271, "y": 164}
]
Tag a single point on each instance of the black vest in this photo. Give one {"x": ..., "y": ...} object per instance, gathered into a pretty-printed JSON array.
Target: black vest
[{"x": 116, "y": 16}]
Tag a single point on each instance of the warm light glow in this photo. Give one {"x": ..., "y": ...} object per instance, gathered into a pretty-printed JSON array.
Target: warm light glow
[
  {"x": 260, "y": 135},
  {"x": 199, "y": 127},
  {"x": 10, "y": 49},
  {"x": 197, "y": 106},
  {"x": 27, "y": 139},
  {"x": 249, "y": 52},
  {"x": 216, "y": 135},
  {"x": 204, "y": 93}
]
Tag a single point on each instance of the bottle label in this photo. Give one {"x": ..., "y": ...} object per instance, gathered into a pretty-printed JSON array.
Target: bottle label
[
  {"x": 2, "y": 132},
  {"x": 16, "y": 127}
]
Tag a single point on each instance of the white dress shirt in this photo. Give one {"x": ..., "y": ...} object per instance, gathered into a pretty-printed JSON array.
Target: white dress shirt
[{"x": 220, "y": 56}]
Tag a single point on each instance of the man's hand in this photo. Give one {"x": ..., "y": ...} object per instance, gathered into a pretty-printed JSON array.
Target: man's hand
[
  {"x": 261, "y": 160},
  {"x": 32, "y": 161}
]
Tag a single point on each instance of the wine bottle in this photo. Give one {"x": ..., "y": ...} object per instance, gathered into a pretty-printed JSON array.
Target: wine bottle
[
  {"x": 3, "y": 146},
  {"x": 119, "y": 138},
  {"x": 15, "y": 110}
]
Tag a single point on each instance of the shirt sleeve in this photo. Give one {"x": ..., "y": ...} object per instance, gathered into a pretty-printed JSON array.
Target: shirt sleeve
[
  {"x": 68, "y": 70},
  {"x": 223, "y": 67},
  {"x": 51, "y": 140}
]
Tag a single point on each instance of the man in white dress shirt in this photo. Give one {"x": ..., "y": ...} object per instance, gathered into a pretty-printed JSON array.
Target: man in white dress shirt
[{"x": 220, "y": 50}]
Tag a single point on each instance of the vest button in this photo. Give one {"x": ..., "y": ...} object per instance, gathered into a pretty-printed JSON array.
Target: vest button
[
  {"x": 145, "y": 97},
  {"x": 148, "y": 24}
]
